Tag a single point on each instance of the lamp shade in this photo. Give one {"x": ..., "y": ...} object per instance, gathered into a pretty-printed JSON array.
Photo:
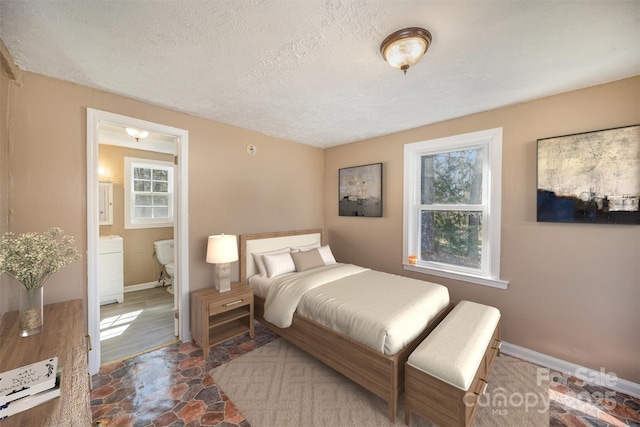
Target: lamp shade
[{"x": 222, "y": 248}]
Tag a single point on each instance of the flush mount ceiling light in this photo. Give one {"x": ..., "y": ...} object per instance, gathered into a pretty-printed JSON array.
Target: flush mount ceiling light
[
  {"x": 404, "y": 48},
  {"x": 137, "y": 134}
]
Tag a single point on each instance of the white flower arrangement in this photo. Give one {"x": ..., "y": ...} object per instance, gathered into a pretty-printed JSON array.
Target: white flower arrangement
[{"x": 31, "y": 258}]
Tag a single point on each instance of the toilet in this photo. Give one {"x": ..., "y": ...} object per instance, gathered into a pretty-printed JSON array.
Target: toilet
[{"x": 164, "y": 254}]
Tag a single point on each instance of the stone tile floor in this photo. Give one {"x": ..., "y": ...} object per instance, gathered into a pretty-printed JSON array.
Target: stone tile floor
[
  {"x": 171, "y": 387},
  {"x": 576, "y": 403}
]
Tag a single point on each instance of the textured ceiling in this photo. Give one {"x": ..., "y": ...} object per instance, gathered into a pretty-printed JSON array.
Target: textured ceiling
[{"x": 310, "y": 71}]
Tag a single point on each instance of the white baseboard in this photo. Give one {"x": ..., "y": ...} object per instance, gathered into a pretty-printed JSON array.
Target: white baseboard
[
  {"x": 148, "y": 285},
  {"x": 601, "y": 378}
]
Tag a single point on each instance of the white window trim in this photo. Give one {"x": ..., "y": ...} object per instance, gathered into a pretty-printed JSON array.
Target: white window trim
[
  {"x": 129, "y": 222},
  {"x": 491, "y": 141}
]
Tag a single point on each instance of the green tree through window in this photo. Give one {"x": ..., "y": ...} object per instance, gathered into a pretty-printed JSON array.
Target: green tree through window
[{"x": 449, "y": 235}]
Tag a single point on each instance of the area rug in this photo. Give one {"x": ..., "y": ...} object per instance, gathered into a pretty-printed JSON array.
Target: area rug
[{"x": 280, "y": 385}]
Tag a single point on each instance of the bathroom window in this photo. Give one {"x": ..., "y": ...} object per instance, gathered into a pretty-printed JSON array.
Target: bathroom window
[{"x": 148, "y": 193}]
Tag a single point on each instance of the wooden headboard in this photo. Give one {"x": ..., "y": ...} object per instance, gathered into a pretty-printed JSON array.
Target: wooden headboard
[{"x": 263, "y": 242}]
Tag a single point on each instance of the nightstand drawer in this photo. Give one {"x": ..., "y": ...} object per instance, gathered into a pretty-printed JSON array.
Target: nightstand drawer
[{"x": 225, "y": 305}]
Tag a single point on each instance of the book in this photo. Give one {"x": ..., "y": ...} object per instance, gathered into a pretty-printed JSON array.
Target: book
[
  {"x": 28, "y": 380},
  {"x": 29, "y": 401}
]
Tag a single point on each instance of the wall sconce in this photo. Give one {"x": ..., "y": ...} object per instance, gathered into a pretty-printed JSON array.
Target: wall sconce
[
  {"x": 404, "y": 48},
  {"x": 103, "y": 172},
  {"x": 222, "y": 249},
  {"x": 137, "y": 134}
]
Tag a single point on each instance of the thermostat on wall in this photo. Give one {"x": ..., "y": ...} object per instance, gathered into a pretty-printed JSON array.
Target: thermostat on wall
[{"x": 251, "y": 149}]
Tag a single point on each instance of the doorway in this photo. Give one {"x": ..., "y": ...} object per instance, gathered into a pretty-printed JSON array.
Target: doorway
[
  {"x": 103, "y": 127},
  {"x": 136, "y": 213}
]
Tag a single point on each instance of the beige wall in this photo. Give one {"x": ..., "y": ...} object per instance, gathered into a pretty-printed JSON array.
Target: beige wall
[
  {"x": 140, "y": 263},
  {"x": 574, "y": 288},
  {"x": 280, "y": 188},
  {"x": 4, "y": 181}
]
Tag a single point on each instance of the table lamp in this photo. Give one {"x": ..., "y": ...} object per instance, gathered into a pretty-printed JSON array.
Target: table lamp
[{"x": 222, "y": 249}]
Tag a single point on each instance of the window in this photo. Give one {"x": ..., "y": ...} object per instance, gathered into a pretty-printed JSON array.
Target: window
[
  {"x": 452, "y": 190},
  {"x": 148, "y": 193}
]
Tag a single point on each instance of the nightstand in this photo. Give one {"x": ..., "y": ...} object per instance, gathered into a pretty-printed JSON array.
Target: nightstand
[{"x": 217, "y": 317}]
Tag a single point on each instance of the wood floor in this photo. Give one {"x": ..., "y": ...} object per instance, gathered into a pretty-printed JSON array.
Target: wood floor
[{"x": 144, "y": 321}]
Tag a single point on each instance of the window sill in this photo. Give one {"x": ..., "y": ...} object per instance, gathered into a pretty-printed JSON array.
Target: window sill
[
  {"x": 493, "y": 283},
  {"x": 129, "y": 226}
]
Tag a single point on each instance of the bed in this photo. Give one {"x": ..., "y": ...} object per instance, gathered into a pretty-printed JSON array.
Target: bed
[{"x": 378, "y": 367}]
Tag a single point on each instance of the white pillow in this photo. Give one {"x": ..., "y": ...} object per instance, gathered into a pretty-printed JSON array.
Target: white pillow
[
  {"x": 327, "y": 255},
  {"x": 305, "y": 247},
  {"x": 258, "y": 259},
  {"x": 278, "y": 264}
]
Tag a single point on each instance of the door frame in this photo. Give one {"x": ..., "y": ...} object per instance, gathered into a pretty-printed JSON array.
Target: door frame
[{"x": 181, "y": 238}]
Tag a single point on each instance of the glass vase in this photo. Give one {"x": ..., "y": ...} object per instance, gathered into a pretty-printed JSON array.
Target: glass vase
[{"x": 30, "y": 315}]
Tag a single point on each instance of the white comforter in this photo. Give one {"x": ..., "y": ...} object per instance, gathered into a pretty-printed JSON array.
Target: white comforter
[
  {"x": 285, "y": 293},
  {"x": 380, "y": 310}
]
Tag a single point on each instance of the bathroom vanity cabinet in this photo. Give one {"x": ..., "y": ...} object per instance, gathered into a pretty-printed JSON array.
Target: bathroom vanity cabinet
[{"x": 111, "y": 269}]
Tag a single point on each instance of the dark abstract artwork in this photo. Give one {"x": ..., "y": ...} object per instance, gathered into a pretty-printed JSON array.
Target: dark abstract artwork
[
  {"x": 591, "y": 177},
  {"x": 360, "y": 192}
]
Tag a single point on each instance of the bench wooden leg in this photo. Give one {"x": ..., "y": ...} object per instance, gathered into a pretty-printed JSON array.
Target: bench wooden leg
[{"x": 393, "y": 409}]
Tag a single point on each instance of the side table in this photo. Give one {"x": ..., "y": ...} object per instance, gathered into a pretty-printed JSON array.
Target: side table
[{"x": 217, "y": 317}]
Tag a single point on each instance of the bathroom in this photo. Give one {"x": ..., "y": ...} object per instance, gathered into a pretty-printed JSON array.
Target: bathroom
[{"x": 137, "y": 312}]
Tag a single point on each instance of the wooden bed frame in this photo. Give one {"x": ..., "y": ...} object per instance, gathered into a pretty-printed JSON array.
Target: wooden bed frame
[{"x": 382, "y": 375}]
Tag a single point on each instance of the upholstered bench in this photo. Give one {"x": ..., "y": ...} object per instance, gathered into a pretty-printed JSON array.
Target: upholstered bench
[{"x": 447, "y": 373}]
